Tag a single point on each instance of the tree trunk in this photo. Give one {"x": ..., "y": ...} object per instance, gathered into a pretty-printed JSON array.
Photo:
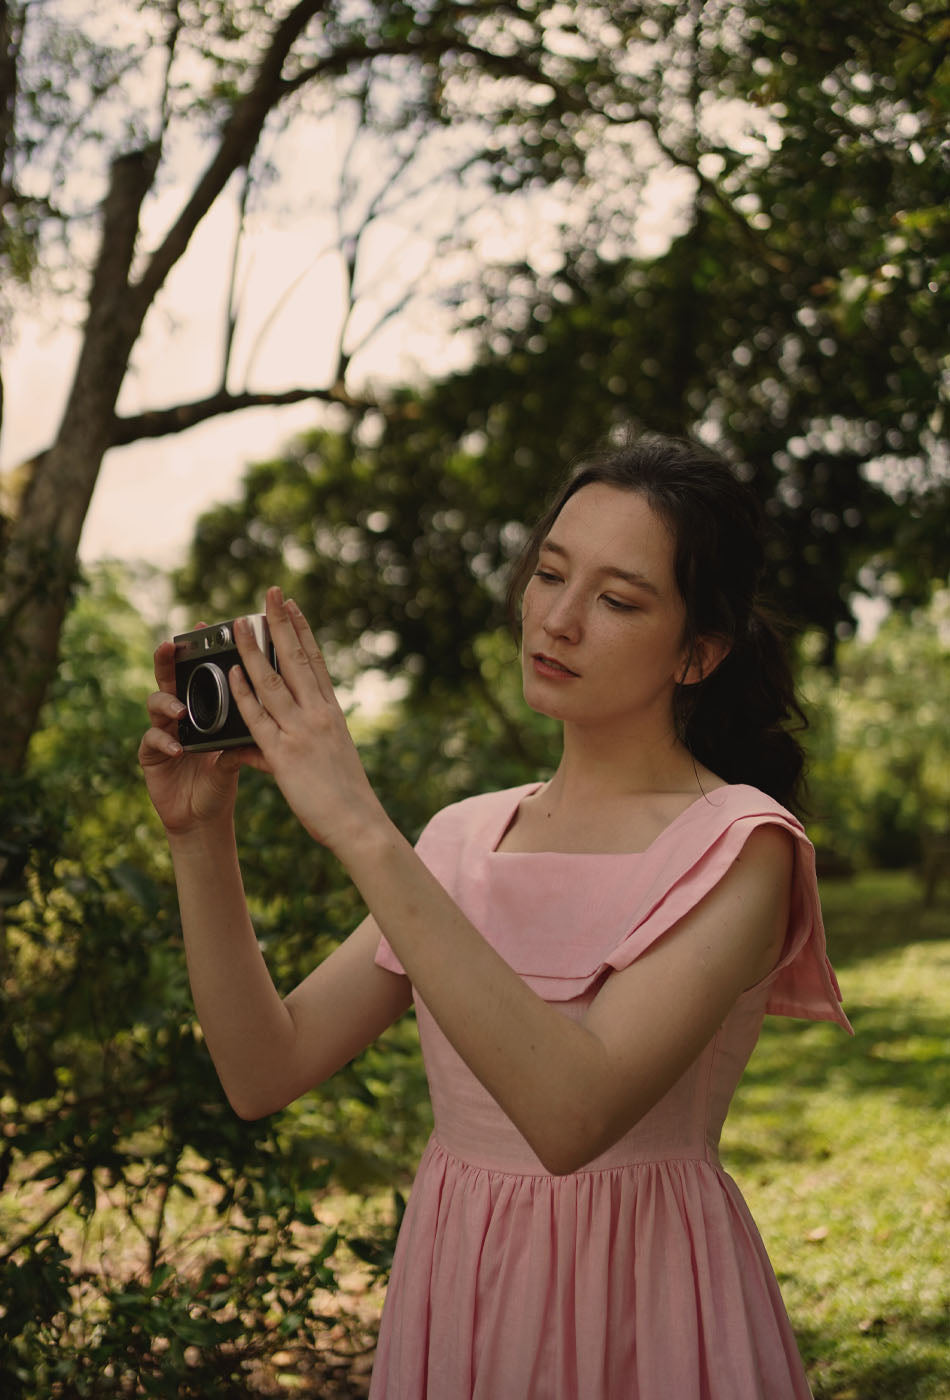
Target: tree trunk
[{"x": 38, "y": 571}]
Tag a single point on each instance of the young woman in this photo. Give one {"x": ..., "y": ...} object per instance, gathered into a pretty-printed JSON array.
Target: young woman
[{"x": 591, "y": 958}]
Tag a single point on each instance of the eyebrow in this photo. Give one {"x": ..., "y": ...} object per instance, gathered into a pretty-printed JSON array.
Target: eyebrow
[{"x": 608, "y": 570}]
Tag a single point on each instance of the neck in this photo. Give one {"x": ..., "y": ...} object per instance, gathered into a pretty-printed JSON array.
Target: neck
[{"x": 596, "y": 767}]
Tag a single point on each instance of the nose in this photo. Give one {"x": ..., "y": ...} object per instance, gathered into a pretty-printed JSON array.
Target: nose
[{"x": 563, "y": 617}]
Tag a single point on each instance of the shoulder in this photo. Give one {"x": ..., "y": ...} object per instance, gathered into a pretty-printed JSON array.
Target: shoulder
[
  {"x": 749, "y": 835},
  {"x": 738, "y": 801},
  {"x": 761, "y": 871}
]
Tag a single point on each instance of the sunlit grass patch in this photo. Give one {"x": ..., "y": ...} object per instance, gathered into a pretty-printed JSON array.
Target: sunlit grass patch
[{"x": 842, "y": 1149}]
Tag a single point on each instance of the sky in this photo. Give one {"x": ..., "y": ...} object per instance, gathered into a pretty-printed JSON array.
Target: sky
[{"x": 149, "y": 495}]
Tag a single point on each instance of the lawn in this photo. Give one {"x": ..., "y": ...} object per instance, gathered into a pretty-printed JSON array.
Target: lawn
[{"x": 842, "y": 1149}]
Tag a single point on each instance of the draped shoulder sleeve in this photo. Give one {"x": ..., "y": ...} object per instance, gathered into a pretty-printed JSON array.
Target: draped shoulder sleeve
[
  {"x": 693, "y": 855},
  {"x": 565, "y": 921}
]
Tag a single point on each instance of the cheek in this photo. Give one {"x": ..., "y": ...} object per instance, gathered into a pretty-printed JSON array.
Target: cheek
[{"x": 528, "y": 602}]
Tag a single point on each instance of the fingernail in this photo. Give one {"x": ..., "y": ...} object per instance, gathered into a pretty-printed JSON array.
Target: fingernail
[{"x": 291, "y": 606}]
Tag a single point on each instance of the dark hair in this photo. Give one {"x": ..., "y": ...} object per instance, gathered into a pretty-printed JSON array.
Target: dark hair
[{"x": 738, "y": 719}]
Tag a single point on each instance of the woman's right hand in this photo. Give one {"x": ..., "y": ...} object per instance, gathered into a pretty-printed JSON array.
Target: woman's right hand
[{"x": 188, "y": 790}]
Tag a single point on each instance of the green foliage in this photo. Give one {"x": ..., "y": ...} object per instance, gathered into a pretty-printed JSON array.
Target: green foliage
[
  {"x": 154, "y": 1243},
  {"x": 879, "y": 745},
  {"x": 797, "y": 321},
  {"x": 151, "y": 1239},
  {"x": 119, "y": 1151}
]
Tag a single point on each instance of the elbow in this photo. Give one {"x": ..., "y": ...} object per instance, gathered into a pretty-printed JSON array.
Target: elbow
[
  {"x": 573, "y": 1146},
  {"x": 576, "y": 1140},
  {"x": 248, "y": 1113},
  {"x": 565, "y": 1158},
  {"x": 251, "y": 1107}
]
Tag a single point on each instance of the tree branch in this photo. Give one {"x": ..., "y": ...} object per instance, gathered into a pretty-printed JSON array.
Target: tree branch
[
  {"x": 238, "y": 141},
  {"x": 513, "y": 65},
  {"x": 269, "y": 89},
  {"x": 161, "y": 422},
  {"x": 10, "y": 39},
  {"x": 231, "y": 313},
  {"x": 11, "y": 1246}
]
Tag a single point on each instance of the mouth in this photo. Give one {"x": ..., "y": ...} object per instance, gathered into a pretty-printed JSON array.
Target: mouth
[{"x": 548, "y": 665}]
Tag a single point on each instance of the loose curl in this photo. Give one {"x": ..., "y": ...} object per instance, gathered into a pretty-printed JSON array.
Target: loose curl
[{"x": 739, "y": 719}]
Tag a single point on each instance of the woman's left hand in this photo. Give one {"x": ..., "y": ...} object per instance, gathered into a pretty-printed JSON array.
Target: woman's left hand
[{"x": 296, "y": 722}]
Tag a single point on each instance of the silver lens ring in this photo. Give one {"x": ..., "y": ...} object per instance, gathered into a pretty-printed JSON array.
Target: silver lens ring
[{"x": 207, "y": 698}]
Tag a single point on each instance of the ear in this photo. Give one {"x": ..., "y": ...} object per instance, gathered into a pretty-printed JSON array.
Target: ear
[{"x": 707, "y": 653}]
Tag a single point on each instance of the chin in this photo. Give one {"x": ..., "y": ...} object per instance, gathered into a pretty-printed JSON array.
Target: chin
[{"x": 542, "y": 705}]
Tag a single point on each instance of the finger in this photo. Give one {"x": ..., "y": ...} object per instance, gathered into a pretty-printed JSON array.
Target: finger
[
  {"x": 249, "y": 757},
  {"x": 165, "y": 664},
  {"x": 272, "y": 691},
  {"x": 292, "y": 660},
  {"x": 261, "y": 723},
  {"x": 311, "y": 650},
  {"x": 165, "y": 667},
  {"x": 158, "y": 746},
  {"x": 164, "y": 708}
]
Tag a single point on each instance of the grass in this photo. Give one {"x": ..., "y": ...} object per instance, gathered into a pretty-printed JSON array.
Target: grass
[{"x": 842, "y": 1149}]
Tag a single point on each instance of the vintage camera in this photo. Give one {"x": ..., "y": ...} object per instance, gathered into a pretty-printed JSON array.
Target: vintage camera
[{"x": 202, "y": 661}]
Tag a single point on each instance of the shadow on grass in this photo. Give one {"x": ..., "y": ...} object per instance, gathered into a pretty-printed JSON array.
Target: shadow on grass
[
  {"x": 903, "y": 1055},
  {"x": 898, "y": 1358},
  {"x": 901, "y": 1047},
  {"x": 879, "y": 911}
]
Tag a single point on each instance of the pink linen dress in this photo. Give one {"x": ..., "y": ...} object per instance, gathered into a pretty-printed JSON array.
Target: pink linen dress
[{"x": 642, "y": 1276}]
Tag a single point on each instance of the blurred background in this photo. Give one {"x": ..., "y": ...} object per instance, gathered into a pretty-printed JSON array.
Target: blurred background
[{"x": 329, "y": 294}]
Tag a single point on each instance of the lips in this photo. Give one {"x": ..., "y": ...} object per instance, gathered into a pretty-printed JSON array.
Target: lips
[{"x": 550, "y": 663}]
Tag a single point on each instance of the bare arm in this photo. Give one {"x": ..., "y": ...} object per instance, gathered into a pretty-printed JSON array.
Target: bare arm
[
  {"x": 266, "y": 1050},
  {"x": 572, "y": 1088}
]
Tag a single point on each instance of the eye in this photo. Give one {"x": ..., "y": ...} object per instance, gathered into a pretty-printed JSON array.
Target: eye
[
  {"x": 546, "y": 576},
  {"x": 618, "y": 605}
]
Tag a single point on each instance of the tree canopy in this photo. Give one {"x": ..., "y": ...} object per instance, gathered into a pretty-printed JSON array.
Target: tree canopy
[
  {"x": 796, "y": 317},
  {"x": 796, "y": 321},
  {"x": 113, "y": 117}
]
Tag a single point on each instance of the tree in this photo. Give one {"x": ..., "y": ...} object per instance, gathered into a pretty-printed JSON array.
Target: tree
[
  {"x": 797, "y": 321},
  {"x": 220, "y": 82},
  {"x": 796, "y": 318}
]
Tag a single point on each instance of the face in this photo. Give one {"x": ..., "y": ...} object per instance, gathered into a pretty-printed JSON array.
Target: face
[{"x": 603, "y": 622}]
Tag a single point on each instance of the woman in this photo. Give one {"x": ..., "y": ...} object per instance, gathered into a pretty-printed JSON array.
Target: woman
[{"x": 591, "y": 958}]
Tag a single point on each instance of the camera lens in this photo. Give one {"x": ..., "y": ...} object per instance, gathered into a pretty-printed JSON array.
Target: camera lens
[{"x": 207, "y": 698}]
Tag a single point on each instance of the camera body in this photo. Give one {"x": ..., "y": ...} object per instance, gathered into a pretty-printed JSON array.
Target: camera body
[{"x": 202, "y": 661}]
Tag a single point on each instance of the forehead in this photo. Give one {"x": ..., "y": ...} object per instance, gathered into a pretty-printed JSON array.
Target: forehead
[{"x": 612, "y": 527}]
